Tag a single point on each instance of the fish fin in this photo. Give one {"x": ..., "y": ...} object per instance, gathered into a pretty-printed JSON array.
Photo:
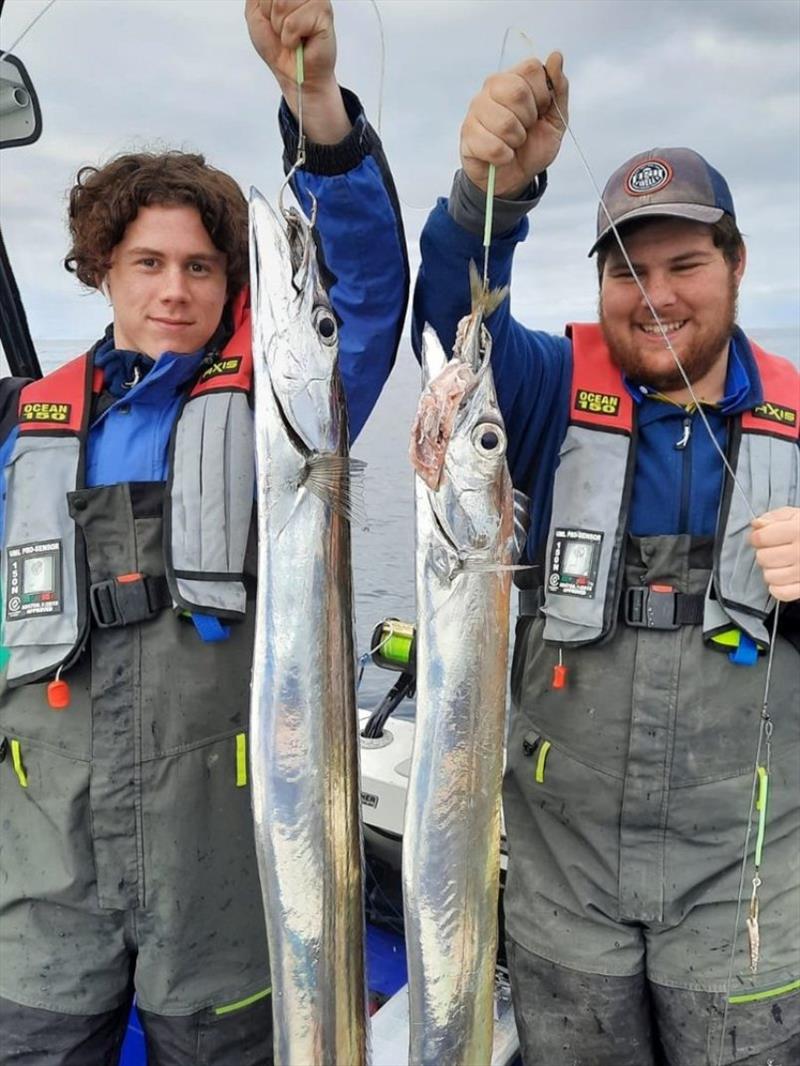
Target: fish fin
[
  {"x": 482, "y": 299},
  {"x": 338, "y": 480},
  {"x": 522, "y": 522},
  {"x": 433, "y": 359}
]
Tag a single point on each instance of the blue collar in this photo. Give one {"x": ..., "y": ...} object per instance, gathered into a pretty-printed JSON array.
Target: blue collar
[{"x": 125, "y": 371}]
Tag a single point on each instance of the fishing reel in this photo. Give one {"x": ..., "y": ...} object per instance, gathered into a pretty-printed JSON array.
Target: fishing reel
[{"x": 392, "y": 647}]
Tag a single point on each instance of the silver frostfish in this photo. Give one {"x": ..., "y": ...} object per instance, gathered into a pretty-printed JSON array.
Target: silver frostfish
[
  {"x": 303, "y": 719},
  {"x": 465, "y": 552}
]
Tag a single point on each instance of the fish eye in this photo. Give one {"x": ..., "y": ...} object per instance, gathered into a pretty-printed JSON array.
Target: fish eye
[
  {"x": 325, "y": 325},
  {"x": 489, "y": 439}
]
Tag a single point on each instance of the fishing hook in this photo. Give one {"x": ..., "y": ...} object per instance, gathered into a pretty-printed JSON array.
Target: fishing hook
[{"x": 300, "y": 159}]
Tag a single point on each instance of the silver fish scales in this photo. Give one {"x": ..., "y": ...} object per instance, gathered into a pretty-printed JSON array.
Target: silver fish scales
[
  {"x": 303, "y": 722},
  {"x": 451, "y": 842}
]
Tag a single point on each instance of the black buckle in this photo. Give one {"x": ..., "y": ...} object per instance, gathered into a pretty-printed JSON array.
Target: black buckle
[
  {"x": 651, "y": 607},
  {"x": 121, "y": 601}
]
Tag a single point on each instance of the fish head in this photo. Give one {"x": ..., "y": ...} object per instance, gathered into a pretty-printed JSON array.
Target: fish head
[
  {"x": 458, "y": 448},
  {"x": 295, "y": 330}
]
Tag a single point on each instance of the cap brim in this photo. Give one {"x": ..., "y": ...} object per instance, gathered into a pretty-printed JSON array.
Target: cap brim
[{"x": 694, "y": 212}]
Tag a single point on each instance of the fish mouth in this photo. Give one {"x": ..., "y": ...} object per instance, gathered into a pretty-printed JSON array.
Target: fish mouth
[
  {"x": 281, "y": 248},
  {"x": 443, "y": 532},
  {"x": 296, "y": 441}
]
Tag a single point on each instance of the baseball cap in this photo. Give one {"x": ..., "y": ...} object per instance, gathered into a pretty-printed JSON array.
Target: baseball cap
[{"x": 664, "y": 181}]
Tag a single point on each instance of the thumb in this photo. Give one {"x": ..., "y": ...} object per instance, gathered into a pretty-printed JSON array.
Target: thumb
[
  {"x": 554, "y": 66},
  {"x": 780, "y": 514}
]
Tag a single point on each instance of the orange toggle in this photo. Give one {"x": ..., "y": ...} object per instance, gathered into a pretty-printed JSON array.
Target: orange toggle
[
  {"x": 126, "y": 579},
  {"x": 559, "y": 676},
  {"x": 58, "y": 695}
]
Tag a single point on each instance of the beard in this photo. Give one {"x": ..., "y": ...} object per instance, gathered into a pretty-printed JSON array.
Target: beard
[{"x": 696, "y": 361}]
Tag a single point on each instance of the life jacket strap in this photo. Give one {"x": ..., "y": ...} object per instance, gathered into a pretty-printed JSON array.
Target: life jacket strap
[
  {"x": 661, "y": 607},
  {"x": 128, "y": 599}
]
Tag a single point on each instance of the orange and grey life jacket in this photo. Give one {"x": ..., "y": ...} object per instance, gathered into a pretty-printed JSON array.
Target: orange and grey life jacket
[
  {"x": 207, "y": 508},
  {"x": 593, "y": 487}
]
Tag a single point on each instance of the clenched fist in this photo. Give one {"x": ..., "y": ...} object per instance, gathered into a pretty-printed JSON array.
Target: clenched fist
[{"x": 513, "y": 123}]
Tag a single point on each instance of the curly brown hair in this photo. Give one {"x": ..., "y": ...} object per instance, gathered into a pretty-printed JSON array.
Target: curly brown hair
[{"x": 104, "y": 200}]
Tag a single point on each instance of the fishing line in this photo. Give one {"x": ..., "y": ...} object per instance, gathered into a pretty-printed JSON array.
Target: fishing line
[
  {"x": 492, "y": 174},
  {"x": 28, "y": 28},
  {"x": 667, "y": 343},
  {"x": 377, "y": 11},
  {"x": 300, "y": 75},
  {"x": 765, "y": 721},
  {"x": 300, "y": 159}
]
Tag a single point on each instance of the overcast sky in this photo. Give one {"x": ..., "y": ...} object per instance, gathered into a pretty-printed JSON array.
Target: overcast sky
[{"x": 721, "y": 77}]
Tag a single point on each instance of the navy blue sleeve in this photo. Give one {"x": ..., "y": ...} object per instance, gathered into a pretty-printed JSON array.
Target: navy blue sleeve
[
  {"x": 532, "y": 370},
  {"x": 363, "y": 247}
]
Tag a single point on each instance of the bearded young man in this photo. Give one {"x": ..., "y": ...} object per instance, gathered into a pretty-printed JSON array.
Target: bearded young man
[
  {"x": 127, "y": 858},
  {"x": 627, "y": 789}
]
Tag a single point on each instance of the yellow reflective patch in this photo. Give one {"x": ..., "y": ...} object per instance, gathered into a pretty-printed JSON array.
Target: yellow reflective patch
[
  {"x": 229, "y": 1008},
  {"x": 19, "y": 769},
  {"x": 729, "y": 638},
  {"x": 241, "y": 760},
  {"x": 768, "y": 993},
  {"x": 541, "y": 761}
]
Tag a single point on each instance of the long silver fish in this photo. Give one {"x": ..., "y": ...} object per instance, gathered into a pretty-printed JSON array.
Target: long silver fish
[
  {"x": 451, "y": 840},
  {"x": 303, "y": 719}
]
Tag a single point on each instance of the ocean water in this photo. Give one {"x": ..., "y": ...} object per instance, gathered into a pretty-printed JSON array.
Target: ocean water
[{"x": 383, "y": 553}]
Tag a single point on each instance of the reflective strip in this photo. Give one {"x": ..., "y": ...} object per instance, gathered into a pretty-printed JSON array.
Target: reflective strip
[
  {"x": 766, "y": 994},
  {"x": 541, "y": 761},
  {"x": 761, "y": 807},
  {"x": 230, "y": 1007},
  {"x": 241, "y": 760},
  {"x": 16, "y": 759},
  {"x": 729, "y": 639}
]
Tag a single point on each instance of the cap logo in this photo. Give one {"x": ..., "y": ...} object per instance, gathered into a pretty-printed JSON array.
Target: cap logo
[{"x": 648, "y": 177}]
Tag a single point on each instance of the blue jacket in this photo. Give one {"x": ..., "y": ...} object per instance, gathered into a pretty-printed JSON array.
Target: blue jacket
[
  {"x": 363, "y": 247},
  {"x": 676, "y": 489}
]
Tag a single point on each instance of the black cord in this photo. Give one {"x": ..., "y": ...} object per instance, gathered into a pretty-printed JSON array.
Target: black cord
[{"x": 404, "y": 686}]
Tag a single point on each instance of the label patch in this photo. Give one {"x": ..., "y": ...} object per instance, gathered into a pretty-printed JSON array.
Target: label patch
[
  {"x": 648, "y": 177},
  {"x": 222, "y": 368},
  {"x": 604, "y": 403},
  {"x": 33, "y": 580},
  {"x": 46, "y": 412},
  {"x": 773, "y": 412},
  {"x": 574, "y": 562},
  {"x": 369, "y": 799}
]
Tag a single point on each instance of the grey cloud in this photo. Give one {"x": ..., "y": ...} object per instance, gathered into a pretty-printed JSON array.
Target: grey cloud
[{"x": 720, "y": 77}]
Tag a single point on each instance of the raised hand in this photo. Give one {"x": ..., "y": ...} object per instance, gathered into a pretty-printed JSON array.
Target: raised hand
[
  {"x": 513, "y": 123},
  {"x": 276, "y": 29}
]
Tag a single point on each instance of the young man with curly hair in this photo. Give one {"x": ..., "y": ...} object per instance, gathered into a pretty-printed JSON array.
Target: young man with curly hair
[{"x": 127, "y": 860}]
